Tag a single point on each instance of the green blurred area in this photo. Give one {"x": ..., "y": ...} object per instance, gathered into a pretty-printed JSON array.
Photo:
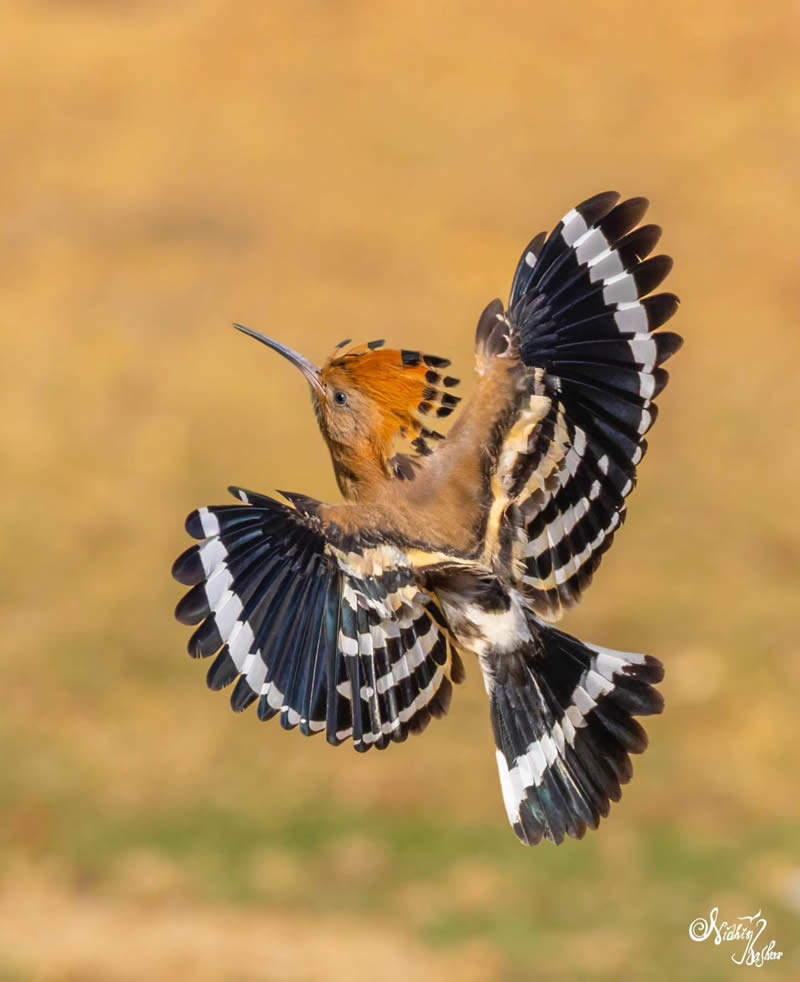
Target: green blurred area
[{"x": 320, "y": 171}]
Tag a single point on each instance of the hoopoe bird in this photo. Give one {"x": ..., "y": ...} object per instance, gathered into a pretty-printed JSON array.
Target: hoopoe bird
[{"x": 354, "y": 618}]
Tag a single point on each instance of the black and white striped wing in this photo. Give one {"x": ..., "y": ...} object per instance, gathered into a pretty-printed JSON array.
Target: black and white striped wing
[
  {"x": 362, "y": 657},
  {"x": 581, "y": 321}
]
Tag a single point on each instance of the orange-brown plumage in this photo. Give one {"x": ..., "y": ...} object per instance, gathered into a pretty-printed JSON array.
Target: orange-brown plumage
[
  {"x": 369, "y": 401},
  {"x": 375, "y": 407},
  {"x": 400, "y": 391}
]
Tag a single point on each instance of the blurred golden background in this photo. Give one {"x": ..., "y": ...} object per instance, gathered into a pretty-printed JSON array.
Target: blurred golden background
[{"x": 327, "y": 170}]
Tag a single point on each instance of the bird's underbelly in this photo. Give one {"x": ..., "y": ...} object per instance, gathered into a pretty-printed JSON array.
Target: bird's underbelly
[{"x": 489, "y": 622}]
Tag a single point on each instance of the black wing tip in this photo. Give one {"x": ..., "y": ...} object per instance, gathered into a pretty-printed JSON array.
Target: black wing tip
[
  {"x": 660, "y": 307},
  {"x": 677, "y": 341},
  {"x": 188, "y": 567},
  {"x": 223, "y": 671},
  {"x": 536, "y": 243},
  {"x": 205, "y": 640},
  {"x": 598, "y": 206},
  {"x": 242, "y": 695},
  {"x": 634, "y": 207},
  {"x": 651, "y": 273},
  {"x": 638, "y": 244},
  {"x": 194, "y": 525},
  {"x": 302, "y": 503},
  {"x": 651, "y": 671},
  {"x": 637, "y": 202},
  {"x": 668, "y": 343},
  {"x": 193, "y": 607},
  {"x": 622, "y": 219}
]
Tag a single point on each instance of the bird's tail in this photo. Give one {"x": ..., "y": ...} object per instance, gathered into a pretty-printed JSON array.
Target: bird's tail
[{"x": 562, "y": 714}]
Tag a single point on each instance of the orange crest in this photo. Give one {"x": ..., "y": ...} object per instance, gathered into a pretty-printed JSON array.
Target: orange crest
[{"x": 406, "y": 386}]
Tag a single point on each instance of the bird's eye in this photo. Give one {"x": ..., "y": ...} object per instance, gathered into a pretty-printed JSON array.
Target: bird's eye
[{"x": 340, "y": 398}]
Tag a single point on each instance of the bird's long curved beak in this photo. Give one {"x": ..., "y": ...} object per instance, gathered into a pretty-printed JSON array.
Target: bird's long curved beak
[{"x": 309, "y": 369}]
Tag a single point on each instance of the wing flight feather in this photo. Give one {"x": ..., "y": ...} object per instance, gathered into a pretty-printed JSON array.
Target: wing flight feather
[
  {"x": 329, "y": 635},
  {"x": 581, "y": 325}
]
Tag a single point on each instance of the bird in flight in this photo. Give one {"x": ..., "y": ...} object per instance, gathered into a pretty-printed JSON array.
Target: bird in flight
[{"x": 354, "y": 619}]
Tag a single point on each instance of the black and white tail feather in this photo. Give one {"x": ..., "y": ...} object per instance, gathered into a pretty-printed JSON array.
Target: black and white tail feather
[{"x": 562, "y": 714}]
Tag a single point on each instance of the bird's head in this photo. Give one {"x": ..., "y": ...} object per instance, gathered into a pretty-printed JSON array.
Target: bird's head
[{"x": 366, "y": 399}]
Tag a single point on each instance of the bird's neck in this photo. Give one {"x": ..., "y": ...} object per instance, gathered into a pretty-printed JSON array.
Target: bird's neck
[{"x": 361, "y": 476}]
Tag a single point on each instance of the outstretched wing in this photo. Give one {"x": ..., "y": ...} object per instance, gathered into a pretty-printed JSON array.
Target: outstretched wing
[
  {"x": 581, "y": 324},
  {"x": 360, "y": 653}
]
